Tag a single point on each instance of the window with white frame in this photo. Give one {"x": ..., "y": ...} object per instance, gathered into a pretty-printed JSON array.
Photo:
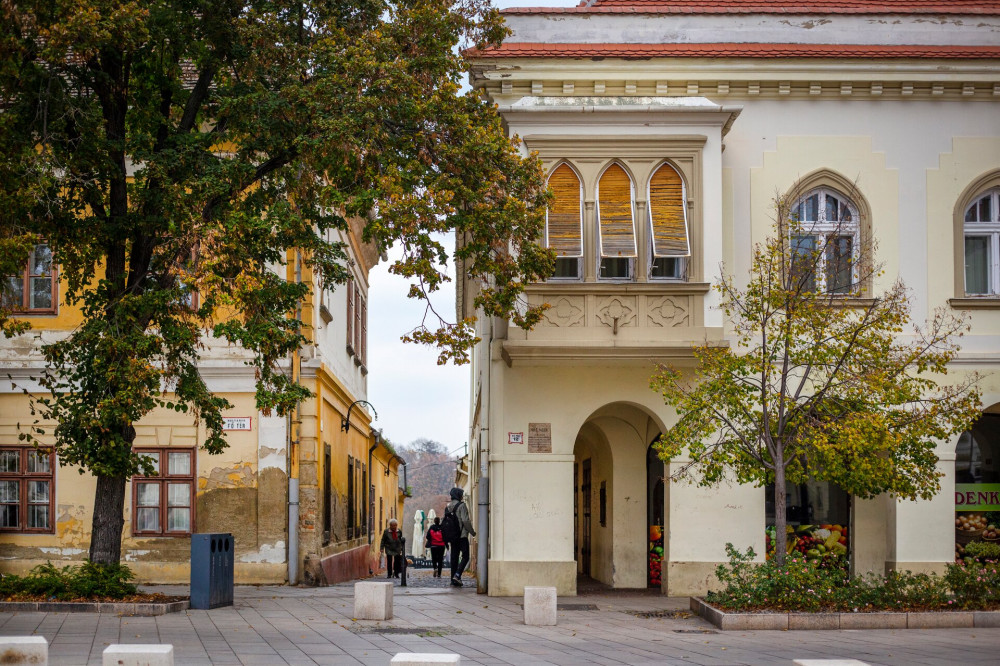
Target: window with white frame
[
  {"x": 827, "y": 241},
  {"x": 982, "y": 245}
]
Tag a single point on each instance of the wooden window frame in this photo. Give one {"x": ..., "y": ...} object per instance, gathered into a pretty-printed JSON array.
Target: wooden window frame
[
  {"x": 23, "y": 477},
  {"x": 350, "y": 317},
  {"x": 163, "y": 479},
  {"x": 26, "y": 277},
  {"x": 350, "y": 497}
]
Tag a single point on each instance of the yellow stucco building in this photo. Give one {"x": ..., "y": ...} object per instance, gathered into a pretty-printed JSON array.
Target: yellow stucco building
[
  {"x": 667, "y": 129},
  {"x": 304, "y": 497}
]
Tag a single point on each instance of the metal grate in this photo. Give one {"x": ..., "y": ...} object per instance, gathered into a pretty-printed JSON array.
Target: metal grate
[
  {"x": 694, "y": 631},
  {"x": 409, "y": 631},
  {"x": 672, "y": 614},
  {"x": 573, "y": 607}
]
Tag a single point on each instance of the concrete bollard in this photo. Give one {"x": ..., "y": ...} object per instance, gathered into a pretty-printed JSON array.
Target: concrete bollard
[
  {"x": 19, "y": 650},
  {"x": 138, "y": 655},
  {"x": 424, "y": 659},
  {"x": 373, "y": 600},
  {"x": 540, "y": 606}
]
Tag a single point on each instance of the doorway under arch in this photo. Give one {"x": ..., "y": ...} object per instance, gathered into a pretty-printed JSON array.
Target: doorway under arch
[{"x": 618, "y": 493}]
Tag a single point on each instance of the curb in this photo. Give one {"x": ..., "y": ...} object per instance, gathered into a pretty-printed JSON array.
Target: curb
[
  {"x": 814, "y": 621},
  {"x": 140, "y": 609}
]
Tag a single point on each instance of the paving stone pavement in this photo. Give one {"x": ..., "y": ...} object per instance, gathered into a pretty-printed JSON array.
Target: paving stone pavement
[{"x": 295, "y": 625}]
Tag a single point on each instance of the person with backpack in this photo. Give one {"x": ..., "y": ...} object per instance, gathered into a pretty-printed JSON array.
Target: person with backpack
[
  {"x": 457, "y": 527},
  {"x": 437, "y": 544}
]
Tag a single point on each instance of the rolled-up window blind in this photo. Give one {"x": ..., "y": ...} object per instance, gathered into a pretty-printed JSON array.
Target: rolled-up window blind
[
  {"x": 668, "y": 214},
  {"x": 564, "y": 222},
  {"x": 617, "y": 230}
]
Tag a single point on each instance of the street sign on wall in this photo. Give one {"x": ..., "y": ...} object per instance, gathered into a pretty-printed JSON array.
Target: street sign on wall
[{"x": 236, "y": 422}]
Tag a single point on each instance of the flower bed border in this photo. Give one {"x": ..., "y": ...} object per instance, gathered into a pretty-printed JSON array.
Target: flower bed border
[
  {"x": 783, "y": 621},
  {"x": 139, "y": 609}
]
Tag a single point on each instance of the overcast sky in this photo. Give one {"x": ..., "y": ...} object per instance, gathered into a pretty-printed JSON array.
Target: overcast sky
[{"x": 415, "y": 397}]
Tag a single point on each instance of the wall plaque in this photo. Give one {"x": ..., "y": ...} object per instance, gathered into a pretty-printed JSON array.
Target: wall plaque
[
  {"x": 236, "y": 422},
  {"x": 539, "y": 438}
]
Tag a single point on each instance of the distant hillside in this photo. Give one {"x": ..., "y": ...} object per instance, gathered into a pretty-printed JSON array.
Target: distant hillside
[{"x": 431, "y": 475}]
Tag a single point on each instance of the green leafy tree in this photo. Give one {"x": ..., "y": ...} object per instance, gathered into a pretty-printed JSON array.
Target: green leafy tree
[
  {"x": 823, "y": 381},
  {"x": 180, "y": 157}
]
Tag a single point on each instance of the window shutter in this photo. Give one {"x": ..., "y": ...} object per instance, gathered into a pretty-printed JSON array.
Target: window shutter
[
  {"x": 668, "y": 214},
  {"x": 363, "y": 352},
  {"x": 616, "y": 228},
  {"x": 357, "y": 322},
  {"x": 564, "y": 229},
  {"x": 350, "y": 313}
]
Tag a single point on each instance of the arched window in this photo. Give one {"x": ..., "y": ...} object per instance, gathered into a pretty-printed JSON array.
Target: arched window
[
  {"x": 668, "y": 224},
  {"x": 564, "y": 221},
  {"x": 982, "y": 245},
  {"x": 615, "y": 223},
  {"x": 826, "y": 227}
]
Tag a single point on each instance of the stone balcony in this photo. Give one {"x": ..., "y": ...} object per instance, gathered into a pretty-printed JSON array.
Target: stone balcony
[{"x": 614, "y": 321}]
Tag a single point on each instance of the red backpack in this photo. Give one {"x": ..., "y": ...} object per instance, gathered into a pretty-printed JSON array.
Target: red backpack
[{"x": 434, "y": 536}]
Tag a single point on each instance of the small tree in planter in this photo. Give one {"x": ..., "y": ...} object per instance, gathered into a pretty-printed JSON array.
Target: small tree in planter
[{"x": 825, "y": 380}]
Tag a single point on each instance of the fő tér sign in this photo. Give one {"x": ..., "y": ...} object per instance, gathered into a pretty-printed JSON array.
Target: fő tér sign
[
  {"x": 236, "y": 423},
  {"x": 977, "y": 497}
]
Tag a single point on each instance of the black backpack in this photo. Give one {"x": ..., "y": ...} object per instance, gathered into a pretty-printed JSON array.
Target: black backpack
[{"x": 450, "y": 528}]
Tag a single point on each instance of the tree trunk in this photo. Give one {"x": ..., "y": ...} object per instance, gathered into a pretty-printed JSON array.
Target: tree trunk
[
  {"x": 109, "y": 520},
  {"x": 780, "y": 517}
]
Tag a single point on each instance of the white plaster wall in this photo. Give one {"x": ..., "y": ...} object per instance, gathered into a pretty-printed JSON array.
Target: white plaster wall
[
  {"x": 783, "y": 28},
  {"x": 875, "y": 141},
  {"x": 331, "y": 338}
]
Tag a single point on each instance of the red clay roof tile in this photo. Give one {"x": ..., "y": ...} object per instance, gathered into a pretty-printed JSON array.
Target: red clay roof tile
[{"x": 641, "y": 51}]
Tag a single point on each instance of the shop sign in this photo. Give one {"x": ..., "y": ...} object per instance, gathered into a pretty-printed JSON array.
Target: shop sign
[
  {"x": 977, "y": 497},
  {"x": 539, "y": 438},
  {"x": 515, "y": 438},
  {"x": 236, "y": 423}
]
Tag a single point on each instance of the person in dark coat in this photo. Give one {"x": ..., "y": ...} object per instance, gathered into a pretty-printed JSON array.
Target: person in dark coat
[
  {"x": 437, "y": 544},
  {"x": 460, "y": 547},
  {"x": 394, "y": 546}
]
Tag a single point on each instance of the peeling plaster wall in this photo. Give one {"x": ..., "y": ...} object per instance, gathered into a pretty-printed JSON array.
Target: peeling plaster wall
[{"x": 242, "y": 490}]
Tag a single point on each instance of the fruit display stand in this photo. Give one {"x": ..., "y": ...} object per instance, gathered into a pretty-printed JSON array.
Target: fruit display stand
[
  {"x": 825, "y": 542},
  {"x": 655, "y": 569}
]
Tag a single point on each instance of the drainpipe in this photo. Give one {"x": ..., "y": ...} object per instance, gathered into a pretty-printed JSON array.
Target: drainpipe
[
  {"x": 371, "y": 508},
  {"x": 483, "y": 491},
  {"x": 293, "y": 454}
]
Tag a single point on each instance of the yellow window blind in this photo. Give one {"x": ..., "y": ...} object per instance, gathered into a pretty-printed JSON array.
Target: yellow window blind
[
  {"x": 668, "y": 214},
  {"x": 565, "y": 224},
  {"x": 615, "y": 211}
]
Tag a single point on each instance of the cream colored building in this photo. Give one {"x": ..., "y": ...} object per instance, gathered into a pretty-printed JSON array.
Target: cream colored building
[
  {"x": 894, "y": 116},
  {"x": 347, "y": 480}
]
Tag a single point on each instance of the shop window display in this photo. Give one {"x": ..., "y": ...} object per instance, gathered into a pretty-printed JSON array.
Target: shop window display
[
  {"x": 818, "y": 515},
  {"x": 655, "y": 471},
  {"x": 977, "y": 485}
]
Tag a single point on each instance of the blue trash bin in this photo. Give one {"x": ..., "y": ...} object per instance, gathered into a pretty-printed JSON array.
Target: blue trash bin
[{"x": 212, "y": 559}]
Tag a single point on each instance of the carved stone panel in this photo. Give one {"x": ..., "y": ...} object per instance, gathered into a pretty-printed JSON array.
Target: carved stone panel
[
  {"x": 566, "y": 311},
  {"x": 617, "y": 308},
  {"x": 668, "y": 311}
]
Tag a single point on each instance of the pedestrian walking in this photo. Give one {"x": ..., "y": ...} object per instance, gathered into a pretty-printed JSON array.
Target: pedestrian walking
[
  {"x": 437, "y": 544},
  {"x": 457, "y": 528},
  {"x": 394, "y": 546}
]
